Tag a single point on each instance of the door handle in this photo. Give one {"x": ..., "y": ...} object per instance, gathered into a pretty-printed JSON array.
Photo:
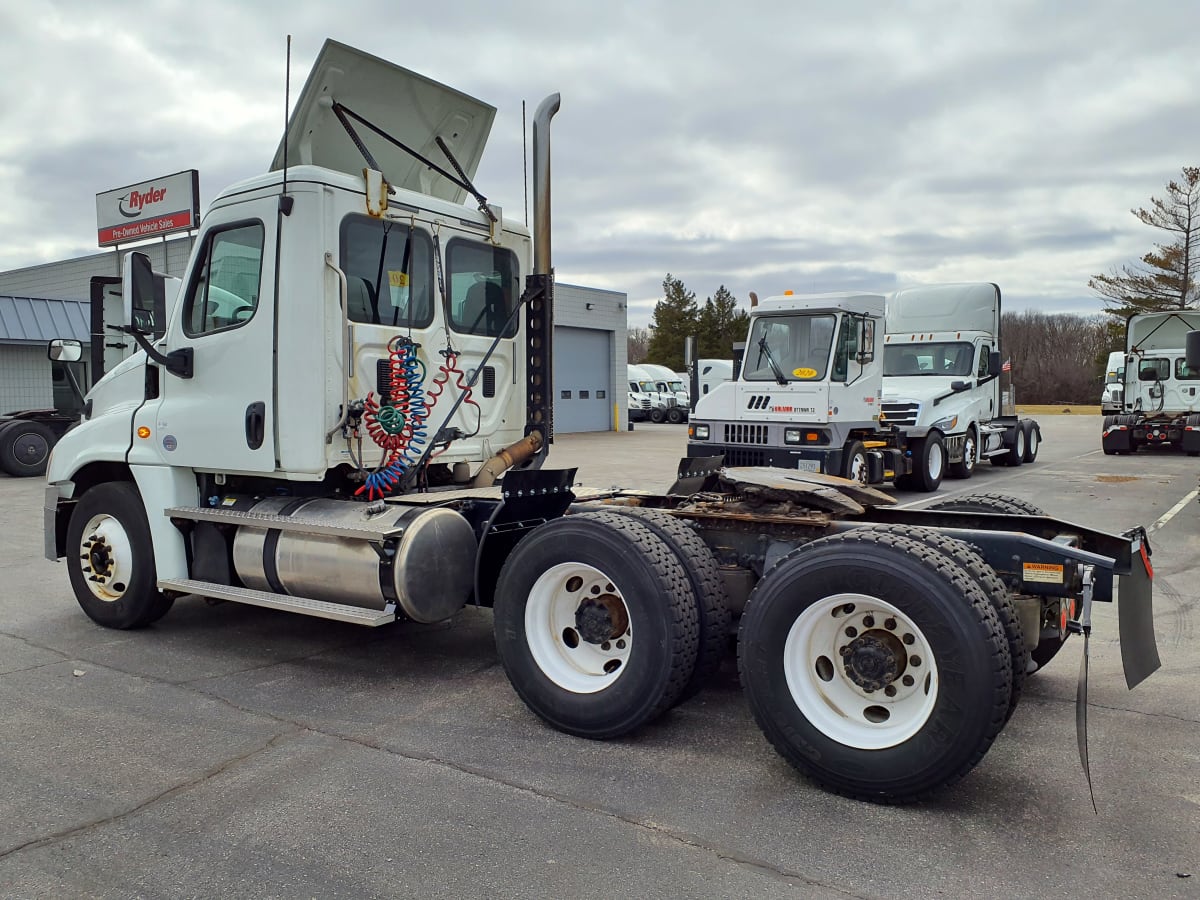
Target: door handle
[{"x": 256, "y": 424}]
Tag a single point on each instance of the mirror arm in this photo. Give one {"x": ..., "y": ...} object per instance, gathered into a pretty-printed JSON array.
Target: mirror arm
[{"x": 177, "y": 362}]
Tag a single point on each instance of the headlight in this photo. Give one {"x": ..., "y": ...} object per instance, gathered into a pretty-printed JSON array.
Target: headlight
[
  {"x": 791, "y": 435},
  {"x": 698, "y": 432},
  {"x": 946, "y": 424}
]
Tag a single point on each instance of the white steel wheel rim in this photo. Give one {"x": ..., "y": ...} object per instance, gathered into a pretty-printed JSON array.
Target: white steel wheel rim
[
  {"x": 936, "y": 458},
  {"x": 106, "y": 558},
  {"x": 1033, "y": 442},
  {"x": 1019, "y": 443},
  {"x": 858, "y": 468},
  {"x": 553, "y": 634},
  {"x": 969, "y": 452},
  {"x": 816, "y": 667}
]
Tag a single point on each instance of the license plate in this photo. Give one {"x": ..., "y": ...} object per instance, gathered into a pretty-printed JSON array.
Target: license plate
[{"x": 808, "y": 465}]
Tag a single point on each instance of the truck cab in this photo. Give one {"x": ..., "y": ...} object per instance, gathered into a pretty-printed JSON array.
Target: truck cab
[
  {"x": 1112, "y": 396},
  {"x": 808, "y": 392},
  {"x": 941, "y": 372}
]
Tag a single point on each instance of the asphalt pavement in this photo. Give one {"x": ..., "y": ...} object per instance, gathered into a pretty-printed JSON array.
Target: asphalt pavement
[{"x": 239, "y": 752}]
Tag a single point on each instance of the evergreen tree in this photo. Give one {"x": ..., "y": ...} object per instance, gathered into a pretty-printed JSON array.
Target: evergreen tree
[
  {"x": 1166, "y": 277},
  {"x": 721, "y": 323},
  {"x": 675, "y": 318}
]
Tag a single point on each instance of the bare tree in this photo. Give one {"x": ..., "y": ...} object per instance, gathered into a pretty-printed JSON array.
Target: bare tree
[
  {"x": 1165, "y": 278},
  {"x": 637, "y": 341},
  {"x": 1055, "y": 358}
]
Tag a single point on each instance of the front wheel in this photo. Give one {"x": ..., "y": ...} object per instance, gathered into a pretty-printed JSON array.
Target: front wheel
[
  {"x": 657, "y": 415},
  {"x": 929, "y": 464},
  {"x": 675, "y": 415},
  {"x": 875, "y": 665},
  {"x": 965, "y": 468},
  {"x": 596, "y": 624},
  {"x": 854, "y": 462},
  {"x": 110, "y": 558}
]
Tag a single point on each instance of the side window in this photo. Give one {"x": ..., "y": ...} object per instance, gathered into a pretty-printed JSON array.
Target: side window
[
  {"x": 1154, "y": 369},
  {"x": 225, "y": 284},
  {"x": 389, "y": 273},
  {"x": 482, "y": 282},
  {"x": 985, "y": 353},
  {"x": 1183, "y": 373},
  {"x": 847, "y": 348}
]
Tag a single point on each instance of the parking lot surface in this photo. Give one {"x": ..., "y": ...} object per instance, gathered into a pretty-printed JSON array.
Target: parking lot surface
[{"x": 239, "y": 752}]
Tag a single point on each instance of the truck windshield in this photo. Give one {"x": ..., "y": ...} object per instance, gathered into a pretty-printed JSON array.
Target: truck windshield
[
  {"x": 929, "y": 358},
  {"x": 799, "y": 345}
]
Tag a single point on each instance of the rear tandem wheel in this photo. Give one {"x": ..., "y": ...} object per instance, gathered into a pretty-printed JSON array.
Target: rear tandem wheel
[
  {"x": 875, "y": 665},
  {"x": 596, "y": 624}
]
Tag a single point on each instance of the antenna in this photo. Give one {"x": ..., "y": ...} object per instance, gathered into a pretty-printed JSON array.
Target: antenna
[
  {"x": 285, "y": 202},
  {"x": 525, "y": 163}
]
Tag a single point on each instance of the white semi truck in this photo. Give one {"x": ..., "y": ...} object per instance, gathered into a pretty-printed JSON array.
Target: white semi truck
[
  {"x": 1112, "y": 395},
  {"x": 1161, "y": 391},
  {"x": 672, "y": 387},
  {"x": 348, "y": 417},
  {"x": 941, "y": 382}
]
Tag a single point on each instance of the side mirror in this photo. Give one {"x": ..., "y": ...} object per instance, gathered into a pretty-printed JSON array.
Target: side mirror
[
  {"x": 64, "y": 350},
  {"x": 994, "y": 362},
  {"x": 959, "y": 386},
  {"x": 142, "y": 295},
  {"x": 1192, "y": 350}
]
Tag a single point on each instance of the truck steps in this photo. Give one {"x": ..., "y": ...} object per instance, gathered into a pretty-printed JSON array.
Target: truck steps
[
  {"x": 356, "y": 615},
  {"x": 297, "y": 524}
]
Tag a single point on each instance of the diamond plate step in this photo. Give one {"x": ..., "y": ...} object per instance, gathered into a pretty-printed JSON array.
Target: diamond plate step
[
  {"x": 356, "y": 615},
  {"x": 297, "y": 524}
]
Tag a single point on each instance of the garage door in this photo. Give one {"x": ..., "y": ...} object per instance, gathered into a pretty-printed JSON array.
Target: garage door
[{"x": 582, "y": 380}]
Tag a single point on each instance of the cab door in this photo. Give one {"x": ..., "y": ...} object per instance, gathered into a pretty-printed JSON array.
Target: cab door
[{"x": 222, "y": 418}]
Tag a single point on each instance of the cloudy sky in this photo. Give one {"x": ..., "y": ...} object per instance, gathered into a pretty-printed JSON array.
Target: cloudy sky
[{"x": 765, "y": 146}]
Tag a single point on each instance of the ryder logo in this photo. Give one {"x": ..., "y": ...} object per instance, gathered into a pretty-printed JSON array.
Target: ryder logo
[{"x": 131, "y": 204}]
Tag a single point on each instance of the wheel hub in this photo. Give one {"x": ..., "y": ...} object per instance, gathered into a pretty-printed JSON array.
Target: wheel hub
[
  {"x": 99, "y": 557},
  {"x": 874, "y": 660},
  {"x": 600, "y": 619}
]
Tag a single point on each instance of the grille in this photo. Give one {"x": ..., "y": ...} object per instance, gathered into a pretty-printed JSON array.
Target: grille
[
  {"x": 645, "y": 403},
  {"x": 901, "y": 413},
  {"x": 737, "y": 456},
  {"x": 746, "y": 434}
]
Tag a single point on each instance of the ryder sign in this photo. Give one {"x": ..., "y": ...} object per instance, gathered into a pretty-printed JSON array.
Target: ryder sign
[{"x": 149, "y": 209}]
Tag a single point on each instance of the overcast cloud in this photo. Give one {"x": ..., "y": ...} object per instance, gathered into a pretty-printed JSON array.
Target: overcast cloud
[{"x": 765, "y": 146}]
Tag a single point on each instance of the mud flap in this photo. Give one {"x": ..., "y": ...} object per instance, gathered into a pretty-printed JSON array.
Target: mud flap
[{"x": 1135, "y": 616}]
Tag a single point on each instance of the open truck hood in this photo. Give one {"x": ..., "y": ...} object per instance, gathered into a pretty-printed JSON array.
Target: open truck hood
[{"x": 411, "y": 108}]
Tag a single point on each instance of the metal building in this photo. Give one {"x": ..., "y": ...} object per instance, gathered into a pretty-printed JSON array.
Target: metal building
[{"x": 28, "y": 379}]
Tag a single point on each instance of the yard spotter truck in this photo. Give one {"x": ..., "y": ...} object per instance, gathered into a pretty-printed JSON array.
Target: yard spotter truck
[
  {"x": 1161, "y": 388},
  {"x": 348, "y": 417}
]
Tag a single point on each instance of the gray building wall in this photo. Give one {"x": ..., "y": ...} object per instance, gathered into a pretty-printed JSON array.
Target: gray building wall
[{"x": 70, "y": 279}]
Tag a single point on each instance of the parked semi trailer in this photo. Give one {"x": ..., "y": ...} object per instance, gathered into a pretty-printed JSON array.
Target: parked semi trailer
[{"x": 349, "y": 416}]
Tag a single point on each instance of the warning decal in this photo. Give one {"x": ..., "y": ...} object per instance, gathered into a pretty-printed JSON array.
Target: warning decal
[{"x": 1046, "y": 573}]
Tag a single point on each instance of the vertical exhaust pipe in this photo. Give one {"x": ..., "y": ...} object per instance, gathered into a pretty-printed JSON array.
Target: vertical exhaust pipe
[
  {"x": 542, "y": 264},
  {"x": 539, "y": 297}
]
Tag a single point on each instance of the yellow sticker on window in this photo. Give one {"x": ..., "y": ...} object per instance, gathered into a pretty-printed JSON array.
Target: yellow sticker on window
[
  {"x": 397, "y": 279},
  {"x": 804, "y": 373}
]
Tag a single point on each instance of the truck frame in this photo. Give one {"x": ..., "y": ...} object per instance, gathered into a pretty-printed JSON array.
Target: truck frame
[{"x": 317, "y": 431}]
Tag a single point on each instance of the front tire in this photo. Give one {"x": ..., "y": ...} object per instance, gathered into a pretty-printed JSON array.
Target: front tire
[
  {"x": 110, "y": 558},
  {"x": 846, "y": 652},
  {"x": 854, "y": 462},
  {"x": 596, "y": 624},
  {"x": 675, "y": 415},
  {"x": 657, "y": 416},
  {"x": 929, "y": 465},
  {"x": 965, "y": 468}
]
